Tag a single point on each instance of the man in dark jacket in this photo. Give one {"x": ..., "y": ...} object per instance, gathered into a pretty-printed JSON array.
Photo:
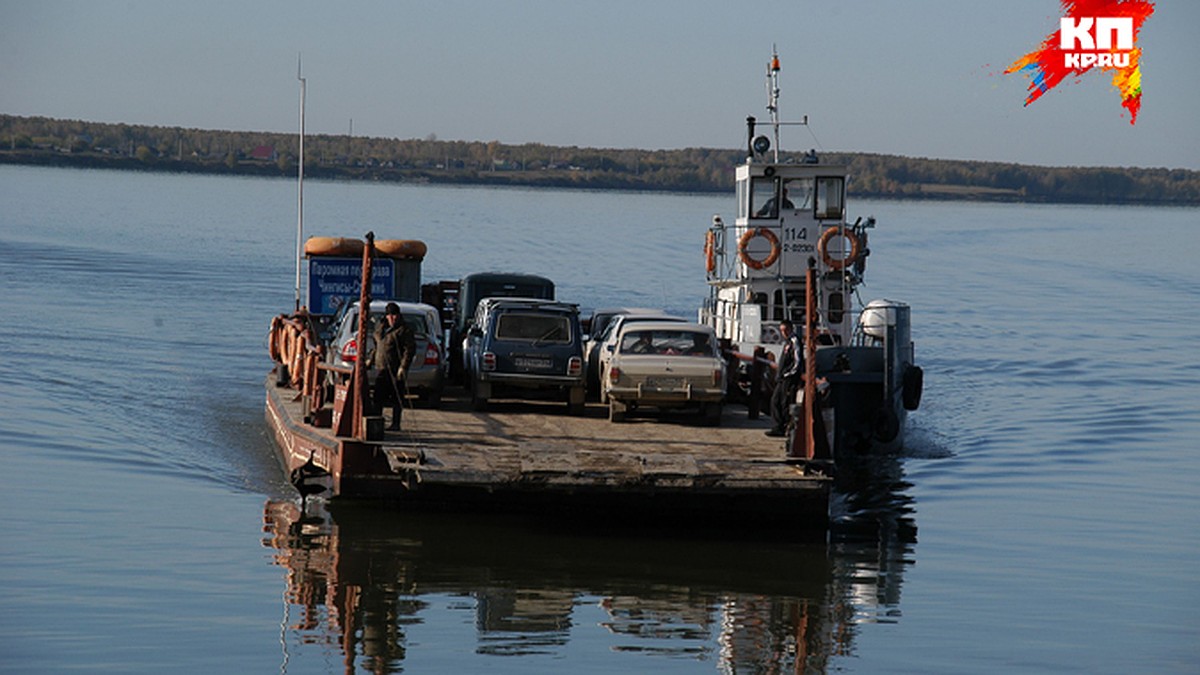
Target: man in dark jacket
[
  {"x": 787, "y": 379},
  {"x": 395, "y": 348}
]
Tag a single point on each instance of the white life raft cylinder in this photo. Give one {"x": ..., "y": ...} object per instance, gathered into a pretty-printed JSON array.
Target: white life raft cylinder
[{"x": 877, "y": 316}]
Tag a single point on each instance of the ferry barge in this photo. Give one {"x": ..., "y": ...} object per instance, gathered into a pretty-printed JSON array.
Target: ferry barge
[
  {"x": 522, "y": 457},
  {"x": 790, "y": 254}
]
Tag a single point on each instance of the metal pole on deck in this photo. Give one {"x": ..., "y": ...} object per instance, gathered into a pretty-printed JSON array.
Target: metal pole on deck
[
  {"x": 361, "y": 387},
  {"x": 810, "y": 362},
  {"x": 300, "y": 189},
  {"x": 804, "y": 442}
]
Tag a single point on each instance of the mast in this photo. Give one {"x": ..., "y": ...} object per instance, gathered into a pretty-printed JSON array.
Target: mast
[
  {"x": 300, "y": 188},
  {"x": 773, "y": 96}
]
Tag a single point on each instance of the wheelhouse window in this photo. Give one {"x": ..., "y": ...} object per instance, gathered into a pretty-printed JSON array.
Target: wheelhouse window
[
  {"x": 829, "y": 198},
  {"x": 762, "y": 198},
  {"x": 798, "y": 194},
  {"x": 540, "y": 328}
]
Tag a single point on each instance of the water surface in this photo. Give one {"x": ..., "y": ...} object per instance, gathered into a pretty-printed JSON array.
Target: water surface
[{"x": 1042, "y": 516}]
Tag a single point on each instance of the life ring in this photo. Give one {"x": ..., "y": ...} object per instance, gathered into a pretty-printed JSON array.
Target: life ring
[
  {"x": 710, "y": 252},
  {"x": 823, "y": 248},
  {"x": 401, "y": 248},
  {"x": 337, "y": 246},
  {"x": 754, "y": 263}
]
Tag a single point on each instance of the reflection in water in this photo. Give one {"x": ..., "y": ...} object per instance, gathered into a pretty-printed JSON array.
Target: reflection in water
[
  {"x": 872, "y": 534},
  {"x": 364, "y": 583}
]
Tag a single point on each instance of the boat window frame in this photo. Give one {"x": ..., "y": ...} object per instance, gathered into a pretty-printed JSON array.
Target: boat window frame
[
  {"x": 822, "y": 210},
  {"x": 760, "y": 200},
  {"x": 808, "y": 189}
]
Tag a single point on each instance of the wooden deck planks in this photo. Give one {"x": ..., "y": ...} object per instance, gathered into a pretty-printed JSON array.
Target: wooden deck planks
[{"x": 518, "y": 442}]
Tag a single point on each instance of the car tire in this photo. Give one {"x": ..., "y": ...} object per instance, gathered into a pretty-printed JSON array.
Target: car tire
[
  {"x": 616, "y": 411},
  {"x": 434, "y": 399},
  {"x": 712, "y": 414},
  {"x": 479, "y": 399},
  {"x": 576, "y": 400}
]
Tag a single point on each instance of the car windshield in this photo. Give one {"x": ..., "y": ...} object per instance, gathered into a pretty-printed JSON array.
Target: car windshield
[
  {"x": 415, "y": 322},
  {"x": 540, "y": 328},
  {"x": 667, "y": 342}
]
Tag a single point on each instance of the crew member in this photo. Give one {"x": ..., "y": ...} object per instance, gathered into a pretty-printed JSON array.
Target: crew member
[
  {"x": 395, "y": 348},
  {"x": 787, "y": 379}
]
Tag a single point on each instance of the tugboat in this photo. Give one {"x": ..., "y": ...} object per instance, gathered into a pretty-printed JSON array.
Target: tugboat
[{"x": 791, "y": 254}]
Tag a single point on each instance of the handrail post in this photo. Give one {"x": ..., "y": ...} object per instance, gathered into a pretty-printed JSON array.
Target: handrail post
[{"x": 360, "y": 385}]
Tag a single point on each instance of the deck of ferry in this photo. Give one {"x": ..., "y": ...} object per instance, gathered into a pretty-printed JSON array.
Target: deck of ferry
[{"x": 533, "y": 456}]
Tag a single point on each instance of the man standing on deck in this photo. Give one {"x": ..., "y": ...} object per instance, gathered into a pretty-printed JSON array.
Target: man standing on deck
[
  {"x": 395, "y": 347},
  {"x": 787, "y": 379}
]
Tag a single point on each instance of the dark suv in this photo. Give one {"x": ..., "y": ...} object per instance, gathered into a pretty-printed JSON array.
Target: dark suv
[{"x": 525, "y": 344}]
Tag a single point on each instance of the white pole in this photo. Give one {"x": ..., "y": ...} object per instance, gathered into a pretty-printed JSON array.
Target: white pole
[{"x": 300, "y": 189}]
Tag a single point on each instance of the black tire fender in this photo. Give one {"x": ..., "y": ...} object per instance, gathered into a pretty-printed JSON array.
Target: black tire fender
[{"x": 914, "y": 382}]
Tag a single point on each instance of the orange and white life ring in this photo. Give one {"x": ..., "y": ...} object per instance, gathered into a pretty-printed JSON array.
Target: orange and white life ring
[
  {"x": 710, "y": 252},
  {"x": 401, "y": 248},
  {"x": 823, "y": 248},
  {"x": 755, "y": 263},
  {"x": 335, "y": 246}
]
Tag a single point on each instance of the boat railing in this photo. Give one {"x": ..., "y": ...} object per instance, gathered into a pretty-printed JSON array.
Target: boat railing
[{"x": 296, "y": 348}]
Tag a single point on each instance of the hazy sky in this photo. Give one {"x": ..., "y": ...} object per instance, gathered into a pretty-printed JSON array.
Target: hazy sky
[{"x": 913, "y": 78}]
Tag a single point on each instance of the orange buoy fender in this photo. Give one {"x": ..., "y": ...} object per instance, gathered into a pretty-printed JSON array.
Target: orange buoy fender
[
  {"x": 337, "y": 246},
  {"x": 401, "y": 248},
  {"x": 823, "y": 248},
  {"x": 752, "y": 262},
  {"x": 273, "y": 341},
  {"x": 710, "y": 252}
]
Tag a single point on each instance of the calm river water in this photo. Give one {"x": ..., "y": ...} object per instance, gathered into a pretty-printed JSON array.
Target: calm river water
[{"x": 1042, "y": 518}]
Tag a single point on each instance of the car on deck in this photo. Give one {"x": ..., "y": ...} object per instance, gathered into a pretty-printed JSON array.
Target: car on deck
[
  {"x": 528, "y": 346},
  {"x": 594, "y": 327},
  {"x": 596, "y": 351},
  {"x": 664, "y": 364},
  {"x": 426, "y": 374}
]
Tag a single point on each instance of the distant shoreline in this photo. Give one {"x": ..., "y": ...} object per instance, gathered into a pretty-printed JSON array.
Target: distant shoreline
[
  {"x": 923, "y": 191},
  {"x": 69, "y": 143}
]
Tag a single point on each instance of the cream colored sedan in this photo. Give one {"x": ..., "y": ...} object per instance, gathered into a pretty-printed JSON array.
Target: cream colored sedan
[{"x": 664, "y": 364}]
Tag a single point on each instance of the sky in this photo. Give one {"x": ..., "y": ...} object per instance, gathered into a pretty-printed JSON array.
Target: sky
[{"x": 917, "y": 78}]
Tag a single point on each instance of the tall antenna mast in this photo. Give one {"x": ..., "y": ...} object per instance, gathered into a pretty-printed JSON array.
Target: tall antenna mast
[
  {"x": 300, "y": 189},
  {"x": 773, "y": 95}
]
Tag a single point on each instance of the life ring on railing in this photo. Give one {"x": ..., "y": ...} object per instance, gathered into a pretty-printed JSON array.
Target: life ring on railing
[
  {"x": 285, "y": 343},
  {"x": 710, "y": 252},
  {"x": 823, "y": 248},
  {"x": 754, "y": 263},
  {"x": 401, "y": 248},
  {"x": 295, "y": 367}
]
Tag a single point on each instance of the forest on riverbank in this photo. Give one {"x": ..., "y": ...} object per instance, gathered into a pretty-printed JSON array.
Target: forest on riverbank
[{"x": 46, "y": 141}]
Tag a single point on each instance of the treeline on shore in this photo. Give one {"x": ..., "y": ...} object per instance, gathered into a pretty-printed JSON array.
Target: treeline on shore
[{"x": 40, "y": 140}]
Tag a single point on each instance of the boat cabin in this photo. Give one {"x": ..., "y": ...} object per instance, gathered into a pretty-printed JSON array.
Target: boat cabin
[{"x": 790, "y": 216}]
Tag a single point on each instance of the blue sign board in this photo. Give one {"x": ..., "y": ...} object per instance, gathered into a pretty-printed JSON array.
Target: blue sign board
[{"x": 333, "y": 282}]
